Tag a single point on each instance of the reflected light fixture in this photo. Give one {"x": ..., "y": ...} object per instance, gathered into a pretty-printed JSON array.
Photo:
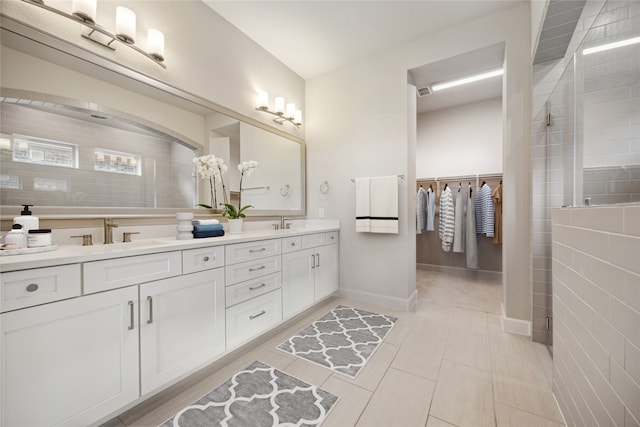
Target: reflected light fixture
[
  {"x": 125, "y": 25},
  {"x": 609, "y": 46},
  {"x": 84, "y": 12},
  {"x": 459, "y": 82},
  {"x": 283, "y": 114}
]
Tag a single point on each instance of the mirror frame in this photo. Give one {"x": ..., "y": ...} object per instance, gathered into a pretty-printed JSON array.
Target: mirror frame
[{"x": 25, "y": 38}]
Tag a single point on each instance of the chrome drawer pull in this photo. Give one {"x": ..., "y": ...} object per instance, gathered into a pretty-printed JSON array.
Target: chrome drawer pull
[
  {"x": 262, "y": 267},
  {"x": 150, "y": 320},
  {"x": 32, "y": 287},
  {"x": 131, "y": 318},
  {"x": 257, "y": 287},
  {"x": 313, "y": 261},
  {"x": 257, "y": 250},
  {"x": 317, "y": 260},
  {"x": 257, "y": 315}
]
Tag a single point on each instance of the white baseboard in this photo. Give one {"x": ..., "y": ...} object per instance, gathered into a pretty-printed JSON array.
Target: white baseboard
[
  {"x": 381, "y": 300},
  {"x": 514, "y": 326}
]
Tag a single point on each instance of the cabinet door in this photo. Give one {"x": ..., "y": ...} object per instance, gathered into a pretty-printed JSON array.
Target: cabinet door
[
  {"x": 326, "y": 271},
  {"x": 181, "y": 325},
  {"x": 297, "y": 281},
  {"x": 70, "y": 362}
]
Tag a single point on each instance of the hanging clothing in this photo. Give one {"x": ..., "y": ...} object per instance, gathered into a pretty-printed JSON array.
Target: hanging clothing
[
  {"x": 496, "y": 196},
  {"x": 484, "y": 211},
  {"x": 431, "y": 209},
  {"x": 458, "y": 233},
  {"x": 472, "y": 244},
  {"x": 446, "y": 222},
  {"x": 421, "y": 210}
]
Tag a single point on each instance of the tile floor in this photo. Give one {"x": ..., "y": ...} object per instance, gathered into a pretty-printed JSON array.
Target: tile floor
[{"x": 447, "y": 364}]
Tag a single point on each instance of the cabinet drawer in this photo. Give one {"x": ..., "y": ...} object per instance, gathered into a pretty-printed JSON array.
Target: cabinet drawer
[
  {"x": 250, "y": 270},
  {"x": 194, "y": 260},
  {"x": 291, "y": 244},
  {"x": 246, "y": 290},
  {"x": 319, "y": 239},
  {"x": 241, "y": 252},
  {"x": 331, "y": 237},
  {"x": 119, "y": 272},
  {"x": 21, "y": 289},
  {"x": 252, "y": 317}
]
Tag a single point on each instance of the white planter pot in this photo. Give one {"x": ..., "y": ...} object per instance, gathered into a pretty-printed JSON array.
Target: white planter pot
[{"x": 235, "y": 225}]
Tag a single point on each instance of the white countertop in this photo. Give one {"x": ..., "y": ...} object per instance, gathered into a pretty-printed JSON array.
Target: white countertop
[{"x": 70, "y": 254}]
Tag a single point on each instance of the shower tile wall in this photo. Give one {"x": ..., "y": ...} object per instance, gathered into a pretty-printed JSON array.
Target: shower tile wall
[{"x": 551, "y": 167}]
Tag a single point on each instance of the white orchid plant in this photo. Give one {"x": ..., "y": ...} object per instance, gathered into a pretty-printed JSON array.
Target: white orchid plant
[
  {"x": 230, "y": 211},
  {"x": 212, "y": 168}
]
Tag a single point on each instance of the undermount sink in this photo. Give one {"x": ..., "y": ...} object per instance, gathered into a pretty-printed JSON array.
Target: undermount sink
[{"x": 116, "y": 247}]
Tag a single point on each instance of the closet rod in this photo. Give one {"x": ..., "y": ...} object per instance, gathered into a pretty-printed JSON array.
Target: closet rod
[
  {"x": 399, "y": 176},
  {"x": 459, "y": 178}
]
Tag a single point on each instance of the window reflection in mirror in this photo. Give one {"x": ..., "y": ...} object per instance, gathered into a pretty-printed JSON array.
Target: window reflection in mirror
[{"x": 73, "y": 159}]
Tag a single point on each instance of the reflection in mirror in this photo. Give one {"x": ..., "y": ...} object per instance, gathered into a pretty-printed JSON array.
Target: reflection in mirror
[
  {"x": 142, "y": 158},
  {"x": 73, "y": 157}
]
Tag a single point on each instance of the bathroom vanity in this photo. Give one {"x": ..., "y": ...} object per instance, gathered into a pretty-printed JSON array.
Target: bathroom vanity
[{"x": 90, "y": 330}]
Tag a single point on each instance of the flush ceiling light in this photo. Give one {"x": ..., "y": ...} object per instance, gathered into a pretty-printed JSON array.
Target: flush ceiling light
[
  {"x": 284, "y": 114},
  {"x": 84, "y": 12},
  {"x": 453, "y": 83},
  {"x": 609, "y": 46}
]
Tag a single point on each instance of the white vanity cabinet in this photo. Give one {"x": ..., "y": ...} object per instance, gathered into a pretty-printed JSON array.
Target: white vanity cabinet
[
  {"x": 70, "y": 362},
  {"x": 182, "y": 325},
  {"x": 85, "y": 337},
  {"x": 309, "y": 270}
]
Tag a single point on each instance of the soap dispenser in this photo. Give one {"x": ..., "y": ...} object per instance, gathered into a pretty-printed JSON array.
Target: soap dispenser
[{"x": 26, "y": 220}]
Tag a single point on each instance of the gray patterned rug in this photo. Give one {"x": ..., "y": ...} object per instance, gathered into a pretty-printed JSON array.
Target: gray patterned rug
[
  {"x": 258, "y": 396},
  {"x": 342, "y": 340}
]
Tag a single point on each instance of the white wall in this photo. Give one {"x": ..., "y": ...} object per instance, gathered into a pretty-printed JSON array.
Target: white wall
[
  {"x": 351, "y": 133},
  {"x": 462, "y": 140}
]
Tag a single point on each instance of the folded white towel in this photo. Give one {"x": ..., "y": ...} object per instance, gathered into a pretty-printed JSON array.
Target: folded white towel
[
  {"x": 363, "y": 220},
  {"x": 205, "y": 222},
  {"x": 384, "y": 204}
]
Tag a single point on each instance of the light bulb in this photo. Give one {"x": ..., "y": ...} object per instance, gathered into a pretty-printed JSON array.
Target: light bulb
[
  {"x": 155, "y": 40},
  {"x": 279, "y": 105},
  {"x": 263, "y": 100},
  {"x": 125, "y": 25}
]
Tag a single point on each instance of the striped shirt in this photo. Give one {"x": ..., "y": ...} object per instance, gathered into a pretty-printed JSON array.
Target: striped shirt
[
  {"x": 485, "y": 211},
  {"x": 446, "y": 222}
]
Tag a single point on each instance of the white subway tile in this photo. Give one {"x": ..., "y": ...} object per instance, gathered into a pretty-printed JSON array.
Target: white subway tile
[
  {"x": 626, "y": 388},
  {"x": 625, "y": 252},
  {"x": 631, "y": 220},
  {"x": 626, "y": 320},
  {"x": 632, "y": 360}
]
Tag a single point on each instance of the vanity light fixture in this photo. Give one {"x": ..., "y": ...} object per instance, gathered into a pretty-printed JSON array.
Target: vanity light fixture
[
  {"x": 453, "y": 83},
  {"x": 84, "y": 12},
  {"x": 283, "y": 114},
  {"x": 612, "y": 45}
]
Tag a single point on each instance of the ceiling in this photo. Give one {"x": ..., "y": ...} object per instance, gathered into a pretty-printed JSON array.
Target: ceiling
[{"x": 314, "y": 37}]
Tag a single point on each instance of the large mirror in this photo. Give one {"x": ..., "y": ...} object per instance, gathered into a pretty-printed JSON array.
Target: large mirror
[{"x": 68, "y": 152}]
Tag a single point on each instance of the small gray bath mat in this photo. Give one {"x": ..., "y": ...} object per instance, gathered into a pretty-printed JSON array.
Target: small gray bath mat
[
  {"x": 342, "y": 340},
  {"x": 258, "y": 396}
]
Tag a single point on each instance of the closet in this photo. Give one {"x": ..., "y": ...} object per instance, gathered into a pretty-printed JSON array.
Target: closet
[
  {"x": 459, "y": 146},
  {"x": 429, "y": 250}
]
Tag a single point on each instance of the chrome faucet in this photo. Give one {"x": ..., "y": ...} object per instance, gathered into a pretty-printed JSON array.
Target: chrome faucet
[
  {"x": 285, "y": 223},
  {"x": 109, "y": 225}
]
